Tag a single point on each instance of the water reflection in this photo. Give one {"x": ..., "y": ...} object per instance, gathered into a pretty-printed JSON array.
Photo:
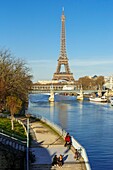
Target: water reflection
[
  {"x": 80, "y": 106},
  {"x": 62, "y": 114},
  {"x": 51, "y": 110}
]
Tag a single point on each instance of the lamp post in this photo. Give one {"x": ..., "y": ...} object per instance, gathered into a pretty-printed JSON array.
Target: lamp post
[{"x": 27, "y": 150}]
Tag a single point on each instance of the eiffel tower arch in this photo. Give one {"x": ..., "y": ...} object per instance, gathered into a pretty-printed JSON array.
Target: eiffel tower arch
[{"x": 63, "y": 60}]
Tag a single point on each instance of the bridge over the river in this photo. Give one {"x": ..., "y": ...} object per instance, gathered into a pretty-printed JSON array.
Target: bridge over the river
[
  {"x": 79, "y": 92},
  {"x": 76, "y": 91}
]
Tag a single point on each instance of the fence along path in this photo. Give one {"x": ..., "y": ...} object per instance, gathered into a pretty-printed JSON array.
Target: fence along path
[{"x": 45, "y": 144}]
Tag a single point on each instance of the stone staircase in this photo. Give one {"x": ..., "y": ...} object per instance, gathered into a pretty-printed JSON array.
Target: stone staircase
[{"x": 12, "y": 142}]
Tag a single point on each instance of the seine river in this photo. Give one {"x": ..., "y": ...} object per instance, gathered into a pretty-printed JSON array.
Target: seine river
[{"x": 90, "y": 123}]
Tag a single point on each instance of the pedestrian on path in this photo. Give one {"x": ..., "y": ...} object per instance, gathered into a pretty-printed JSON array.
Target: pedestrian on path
[
  {"x": 60, "y": 161},
  {"x": 55, "y": 160},
  {"x": 76, "y": 156},
  {"x": 68, "y": 140}
]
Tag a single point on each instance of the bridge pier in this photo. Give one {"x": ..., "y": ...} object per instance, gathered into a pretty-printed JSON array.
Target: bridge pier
[
  {"x": 80, "y": 96},
  {"x": 51, "y": 98}
]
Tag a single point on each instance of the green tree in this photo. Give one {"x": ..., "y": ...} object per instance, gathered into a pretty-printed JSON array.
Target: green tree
[{"x": 14, "y": 105}]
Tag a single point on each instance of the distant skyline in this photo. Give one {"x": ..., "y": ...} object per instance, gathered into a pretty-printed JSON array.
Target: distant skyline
[{"x": 31, "y": 30}]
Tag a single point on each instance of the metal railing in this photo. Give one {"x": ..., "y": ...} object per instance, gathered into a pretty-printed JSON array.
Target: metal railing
[
  {"x": 63, "y": 133},
  {"x": 12, "y": 136}
]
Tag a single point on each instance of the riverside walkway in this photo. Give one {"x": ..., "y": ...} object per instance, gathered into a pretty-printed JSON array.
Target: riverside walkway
[{"x": 45, "y": 144}]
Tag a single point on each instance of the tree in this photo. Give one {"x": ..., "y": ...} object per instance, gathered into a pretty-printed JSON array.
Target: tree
[
  {"x": 14, "y": 105},
  {"x": 15, "y": 77},
  {"x": 85, "y": 82},
  {"x": 99, "y": 82},
  {"x": 95, "y": 82}
]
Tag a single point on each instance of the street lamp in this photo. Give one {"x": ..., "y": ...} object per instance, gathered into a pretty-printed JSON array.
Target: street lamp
[{"x": 27, "y": 150}]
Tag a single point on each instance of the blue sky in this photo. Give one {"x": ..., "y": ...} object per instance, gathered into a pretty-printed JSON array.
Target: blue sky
[{"x": 31, "y": 30}]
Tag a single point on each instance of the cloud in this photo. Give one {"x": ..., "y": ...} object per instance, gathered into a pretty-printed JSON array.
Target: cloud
[
  {"x": 90, "y": 62},
  {"x": 44, "y": 69},
  {"x": 75, "y": 62},
  {"x": 40, "y": 61},
  {"x": 43, "y": 63}
]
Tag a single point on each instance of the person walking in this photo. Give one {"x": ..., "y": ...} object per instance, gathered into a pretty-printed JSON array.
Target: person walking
[{"x": 67, "y": 140}]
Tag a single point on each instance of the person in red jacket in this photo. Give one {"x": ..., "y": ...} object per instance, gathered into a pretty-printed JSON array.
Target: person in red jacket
[{"x": 67, "y": 140}]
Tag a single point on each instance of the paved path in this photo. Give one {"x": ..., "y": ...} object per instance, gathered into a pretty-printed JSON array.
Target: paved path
[{"x": 46, "y": 143}]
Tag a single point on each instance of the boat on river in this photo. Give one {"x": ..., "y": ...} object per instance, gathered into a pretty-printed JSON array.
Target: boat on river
[{"x": 98, "y": 99}]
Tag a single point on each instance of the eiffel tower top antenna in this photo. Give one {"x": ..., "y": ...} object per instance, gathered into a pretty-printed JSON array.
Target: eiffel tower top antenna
[{"x": 63, "y": 38}]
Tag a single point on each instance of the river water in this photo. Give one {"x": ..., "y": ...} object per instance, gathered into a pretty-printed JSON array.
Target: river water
[{"x": 90, "y": 123}]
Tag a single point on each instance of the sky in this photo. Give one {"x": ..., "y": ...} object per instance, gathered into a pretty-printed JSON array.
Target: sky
[{"x": 31, "y": 30}]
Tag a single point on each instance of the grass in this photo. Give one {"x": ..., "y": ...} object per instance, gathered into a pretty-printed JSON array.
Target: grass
[{"x": 5, "y": 125}]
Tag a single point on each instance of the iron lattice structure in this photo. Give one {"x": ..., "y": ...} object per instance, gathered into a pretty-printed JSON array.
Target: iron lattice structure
[{"x": 63, "y": 60}]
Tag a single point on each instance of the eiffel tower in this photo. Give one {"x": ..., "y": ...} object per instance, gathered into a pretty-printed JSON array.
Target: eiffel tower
[{"x": 63, "y": 60}]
